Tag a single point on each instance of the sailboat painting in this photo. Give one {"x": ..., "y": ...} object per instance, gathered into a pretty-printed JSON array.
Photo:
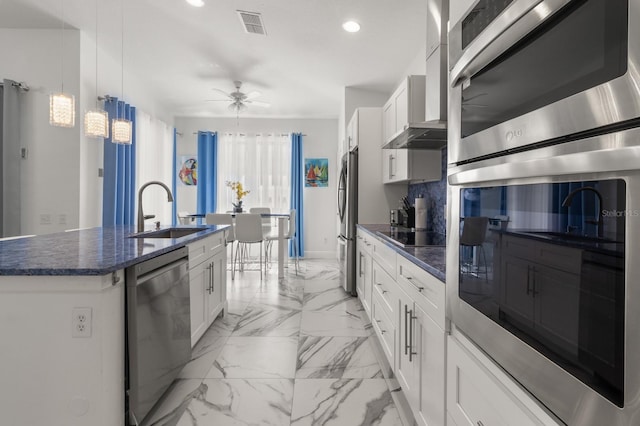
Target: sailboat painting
[{"x": 316, "y": 172}]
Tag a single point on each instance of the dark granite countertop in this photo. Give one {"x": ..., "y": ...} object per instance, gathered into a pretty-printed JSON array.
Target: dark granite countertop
[
  {"x": 431, "y": 258},
  {"x": 94, "y": 251}
]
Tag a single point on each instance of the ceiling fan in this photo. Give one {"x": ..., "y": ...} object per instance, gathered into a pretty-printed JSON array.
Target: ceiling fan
[{"x": 240, "y": 101}]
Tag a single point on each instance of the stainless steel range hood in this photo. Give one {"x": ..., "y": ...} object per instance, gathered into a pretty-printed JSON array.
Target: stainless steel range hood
[
  {"x": 427, "y": 135},
  {"x": 431, "y": 133}
]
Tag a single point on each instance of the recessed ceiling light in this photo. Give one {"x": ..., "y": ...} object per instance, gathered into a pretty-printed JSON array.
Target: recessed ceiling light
[
  {"x": 351, "y": 26},
  {"x": 196, "y": 3}
]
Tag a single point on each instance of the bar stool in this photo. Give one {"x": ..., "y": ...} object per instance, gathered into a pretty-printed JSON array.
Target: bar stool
[{"x": 474, "y": 231}]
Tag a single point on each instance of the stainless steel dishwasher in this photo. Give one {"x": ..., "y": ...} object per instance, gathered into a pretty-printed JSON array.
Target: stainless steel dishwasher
[{"x": 158, "y": 330}]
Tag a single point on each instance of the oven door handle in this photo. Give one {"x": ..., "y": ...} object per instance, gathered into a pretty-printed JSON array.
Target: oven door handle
[{"x": 484, "y": 48}]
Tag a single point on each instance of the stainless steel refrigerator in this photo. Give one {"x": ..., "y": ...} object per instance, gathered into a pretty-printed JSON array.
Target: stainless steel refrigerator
[{"x": 348, "y": 213}]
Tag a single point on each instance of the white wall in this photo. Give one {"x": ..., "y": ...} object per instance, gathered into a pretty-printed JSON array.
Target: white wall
[
  {"x": 320, "y": 208},
  {"x": 49, "y": 175},
  {"x": 60, "y": 176}
]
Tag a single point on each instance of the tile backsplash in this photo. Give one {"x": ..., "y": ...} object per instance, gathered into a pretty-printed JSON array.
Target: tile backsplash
[{"x": 436, "y": 195}]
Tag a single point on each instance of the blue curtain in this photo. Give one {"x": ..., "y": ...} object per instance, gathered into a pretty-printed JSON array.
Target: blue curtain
[
  {"x": 119, "y": 183},
  {"x": 174, "y": 180},
  {"x": 297, "y": 179},
  {"x": 206, "y": 171}
]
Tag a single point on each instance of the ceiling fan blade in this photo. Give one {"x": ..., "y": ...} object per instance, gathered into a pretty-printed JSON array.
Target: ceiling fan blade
[
  {"x": 253, "y": 94},
  {"x": 223, "y": 93},
  {"x": 259, "y": 103},
  {"x": 216, "y": 100}
]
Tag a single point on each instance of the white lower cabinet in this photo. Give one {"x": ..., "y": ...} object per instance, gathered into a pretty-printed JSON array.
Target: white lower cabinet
[
  {"x": 207, "y": 282},
  {"x": 363, "y": 271},
  {"x": 407, "y": 314},
  {"x": 480, "y": 394},
  {"x": 421, "y": 361}
]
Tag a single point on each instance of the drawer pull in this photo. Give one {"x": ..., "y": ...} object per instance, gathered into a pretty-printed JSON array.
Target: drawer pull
[
  {"x": 410, "y": 279},
  {"x": 382, "y": 331},
  {"x": 378, "y": 320},
  {"x": 480, "y": 423}
]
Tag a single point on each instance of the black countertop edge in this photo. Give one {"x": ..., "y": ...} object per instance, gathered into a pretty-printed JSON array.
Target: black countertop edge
[
  {"x": 430, "y": 258},
  {"x": 90, "y": 252}
]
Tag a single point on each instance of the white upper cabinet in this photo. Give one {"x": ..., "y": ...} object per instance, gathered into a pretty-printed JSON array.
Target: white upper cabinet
[
  {"x": 352, "y": 132},
  {"x": 437, "y": 16},
  {"x": 404, "y": 107},
  {"x": 404, "y": 165}
]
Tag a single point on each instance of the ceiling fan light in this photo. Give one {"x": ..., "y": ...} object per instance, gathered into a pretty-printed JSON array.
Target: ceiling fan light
[
  {"x": 351, "y": 26},
  {"x": 96, "y": 124},
  {"x": 196, "y": 3},
  {"x": 121, "y": 131},
  {"x": 62, "y": 110}
]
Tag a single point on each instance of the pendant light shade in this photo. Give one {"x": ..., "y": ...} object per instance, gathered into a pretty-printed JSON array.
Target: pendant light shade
[
  {"x": 62, "y": 110},
  {"x": 96, "y": 124},
  {"x": 62, "y": 106},
  {"x": 121, "y": 131}
]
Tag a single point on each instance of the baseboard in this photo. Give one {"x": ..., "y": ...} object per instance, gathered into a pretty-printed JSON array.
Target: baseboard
[{"x": 319, "y": 254}]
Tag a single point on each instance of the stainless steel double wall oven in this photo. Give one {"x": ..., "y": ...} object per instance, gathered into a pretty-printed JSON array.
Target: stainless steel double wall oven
[{"x": 544, "y": 173}]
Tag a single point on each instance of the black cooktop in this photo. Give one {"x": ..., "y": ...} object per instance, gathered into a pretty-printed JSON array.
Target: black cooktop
[{"x": 414, "y": 238}]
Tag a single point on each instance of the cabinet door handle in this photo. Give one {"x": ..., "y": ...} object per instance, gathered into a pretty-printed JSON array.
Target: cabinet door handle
[
  {"x": 406, "y": 329},
  {"x": 391, "y": 174},
  {"x": 480, "y": 423},
  {"x": 411, "y": 352},
  {"x": 360, "y": 268},
  {"x": 528, "y": 280},
  {"x": 211, "y": 266}
]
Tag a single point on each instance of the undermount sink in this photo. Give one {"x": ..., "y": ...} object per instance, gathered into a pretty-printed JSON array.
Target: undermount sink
[
  {"x": 167, "y": 233},
  {"x": 573, "y": 237}
]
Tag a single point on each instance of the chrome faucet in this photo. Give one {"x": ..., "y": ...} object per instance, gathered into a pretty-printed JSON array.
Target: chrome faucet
[
  {"x": 141, "y": 216},
  {"x": 598, "y": 221}
]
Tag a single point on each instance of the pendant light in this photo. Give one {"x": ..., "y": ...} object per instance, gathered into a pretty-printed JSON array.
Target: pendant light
[
  {"x": 96, "y": 121},
  {"x": 121, "y": 127},
  {"x": 62, "y": 106}
]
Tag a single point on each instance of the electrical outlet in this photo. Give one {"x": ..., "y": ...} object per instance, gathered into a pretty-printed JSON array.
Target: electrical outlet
[
  {"x": 45, "y": 219},
  {"x": 81, "y": 322},
  {"x": 62, "y": 219}
]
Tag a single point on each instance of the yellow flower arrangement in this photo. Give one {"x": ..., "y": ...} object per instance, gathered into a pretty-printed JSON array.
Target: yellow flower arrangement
[{"x": 239, "y": 190}]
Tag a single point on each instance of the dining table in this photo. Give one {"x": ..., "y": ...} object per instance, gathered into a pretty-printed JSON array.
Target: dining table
[{"x": 281, "y": 217}]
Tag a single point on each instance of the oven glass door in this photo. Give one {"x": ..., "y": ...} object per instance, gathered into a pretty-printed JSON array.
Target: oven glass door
[
  {"x": 582, "y": 46},
  {"x": 546, "y": 262}
]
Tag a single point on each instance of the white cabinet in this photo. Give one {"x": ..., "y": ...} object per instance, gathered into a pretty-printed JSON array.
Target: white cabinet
[
  {"x": 408, "y": 317},
  {"x": 404, "y": 108},
  {"x": 352, "y": 132},
  {"x": 207, "y": 282},
  {"x": 364, "y": 270},
  {"x": 404, "y": 165},
  {"x": 374, "y": 199},
  {"x": 480, "y": 393},
  {"x": 421, "y": 356}
]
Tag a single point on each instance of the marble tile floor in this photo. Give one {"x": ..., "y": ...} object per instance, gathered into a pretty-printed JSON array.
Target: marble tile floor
[{"x": 293, "y": 352}]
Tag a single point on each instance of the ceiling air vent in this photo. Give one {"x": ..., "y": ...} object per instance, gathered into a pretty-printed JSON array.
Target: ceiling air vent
[{"x": 252, "y": 22}]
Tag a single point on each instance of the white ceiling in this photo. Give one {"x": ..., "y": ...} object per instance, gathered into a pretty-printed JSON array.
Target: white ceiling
[{"x": 301, "y": 66}]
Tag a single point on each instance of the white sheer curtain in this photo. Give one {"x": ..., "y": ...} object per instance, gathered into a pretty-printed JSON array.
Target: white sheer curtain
[
  {"x": 262, "y": 163},
  {"x": 154, "y": 161}
]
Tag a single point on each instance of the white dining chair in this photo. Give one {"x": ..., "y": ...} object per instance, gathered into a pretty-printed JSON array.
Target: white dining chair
[
  {"x": 266, "y": 221},
  {"x": 183, "y": 219},
  {"x": 248, "y": 230},
  {"x": 289, "y": 235},
  {"x": 224, "y": 219}
]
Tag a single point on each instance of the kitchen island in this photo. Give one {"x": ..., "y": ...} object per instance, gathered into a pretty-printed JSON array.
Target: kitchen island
[{"x": 62, "y": 322}]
